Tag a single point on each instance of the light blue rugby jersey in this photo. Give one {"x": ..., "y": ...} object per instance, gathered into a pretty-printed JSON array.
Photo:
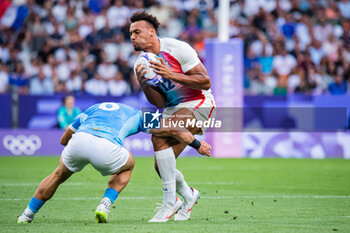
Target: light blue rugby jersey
[{"x": 112, "y": 121}]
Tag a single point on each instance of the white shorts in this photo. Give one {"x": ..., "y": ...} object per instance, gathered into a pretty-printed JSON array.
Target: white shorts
[
  {"x": 203, "y": 109},
  {"x": 105, "y": 156}
]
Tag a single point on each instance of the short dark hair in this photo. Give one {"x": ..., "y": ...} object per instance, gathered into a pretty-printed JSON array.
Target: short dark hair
[
  {"x": 143, "y": 15},
  {"x": 64, "y": 99}
]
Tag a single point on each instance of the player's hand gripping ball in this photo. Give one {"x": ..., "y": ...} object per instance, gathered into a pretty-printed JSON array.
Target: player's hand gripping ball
[{"x": 152, "y": 77}]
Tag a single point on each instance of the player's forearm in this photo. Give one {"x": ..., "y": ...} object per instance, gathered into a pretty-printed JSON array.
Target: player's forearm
[
  {"x": 185, "y": 137},
  {"x": 195, "y": 81},
  {"x": 153, "y": 96},
  {"x": 182, "y": 135}
]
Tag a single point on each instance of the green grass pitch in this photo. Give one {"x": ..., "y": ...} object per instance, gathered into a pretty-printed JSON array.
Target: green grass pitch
[{"x": 237, "y": 195}]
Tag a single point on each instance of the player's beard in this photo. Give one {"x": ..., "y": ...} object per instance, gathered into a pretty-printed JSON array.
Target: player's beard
[{"x": 137, "y": 47}]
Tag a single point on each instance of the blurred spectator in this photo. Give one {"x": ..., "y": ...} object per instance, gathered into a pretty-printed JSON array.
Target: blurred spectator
[
  {"x": 107, "y": 70},
  {"x": 96, "y": 86},
  {"x": 288, "y": 28},
  {"x": 59, "y": 11},
  {"x": 68, "y": 112},
  {"x": 49, "y": 68},
  {"x": 118, "y": 14},
  {"x": 339, "y": 86},
  {"x": 4, "y": 53},
  {"x": 280, "y": 88},
  {"x": 75, "y": 82},
  {"x": 118, "y": 86},
  {"x": 4, "y": 79},
  {"x": 192, "y": 29},
  {"x": 90, "y": 67},
  {"x": 37, "y": 32},
  {"x": 19, "y": 79},
  {"x": 344, "y": 7},
  {"x": 305, "y": 85},
  {"x": 70, "y": 22},
  {"x": 262, "y": 84},
  {"x": 41, "y": 84},
  {"x": 322, "y": 30},
  {"x": 280, "y": 38},
  {"x": 294, "y": 79},
  {"x": 346, "y": 34},
  {"x": 330, "y": 47},
  {"x": 316, "y": 52},
  {"x": 63, "y": 71},
  {"x": 283, "y": 63},
  {"x": 101, "y": 20}
]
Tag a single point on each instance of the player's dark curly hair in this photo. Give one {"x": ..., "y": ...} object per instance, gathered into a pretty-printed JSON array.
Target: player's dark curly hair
[{"x": 143, "y": 15}]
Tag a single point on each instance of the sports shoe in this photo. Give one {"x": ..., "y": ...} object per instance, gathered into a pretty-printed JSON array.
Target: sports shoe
[
  {"x": 102, "y": 210},
  {"x": 184, "y": 213},
  {"x": 25, "y": 218},
  {"x": 165, "y": 213}
]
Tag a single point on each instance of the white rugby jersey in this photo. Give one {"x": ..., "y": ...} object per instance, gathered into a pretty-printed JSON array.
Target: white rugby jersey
[{"x": 180, "y": 57}]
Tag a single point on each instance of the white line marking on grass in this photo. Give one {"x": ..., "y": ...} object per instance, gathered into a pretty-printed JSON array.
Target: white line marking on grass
[
  {"x": 215, "y": 183},
  {"x": 37, "y": 183},
  {"x": 204, "y": 197},
  {"x": 276, "y": 197},
  {"x": 94, "y": 184}
]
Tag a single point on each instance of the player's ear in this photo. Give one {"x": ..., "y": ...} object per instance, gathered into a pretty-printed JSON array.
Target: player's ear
[{"x": 153, "y": 32}]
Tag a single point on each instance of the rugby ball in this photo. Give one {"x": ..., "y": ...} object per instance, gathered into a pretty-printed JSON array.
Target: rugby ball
[{"x": 153, "y": 78}]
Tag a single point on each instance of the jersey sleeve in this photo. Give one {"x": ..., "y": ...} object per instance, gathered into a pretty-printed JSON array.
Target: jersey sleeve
[
  {"x": 131, "y": 126},
  {"x": 187, "y": 57},
  {"x": 77, "y": 122}
]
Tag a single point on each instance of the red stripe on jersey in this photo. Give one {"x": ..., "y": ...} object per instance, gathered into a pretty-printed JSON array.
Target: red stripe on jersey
[
  {"x": 200, "y": 104},
  {"x": 173, "y": 63},
  {"x": 185, "y": 93},
  {"x": 211, "y": 111},
  {"x": 191, "y": 94}
]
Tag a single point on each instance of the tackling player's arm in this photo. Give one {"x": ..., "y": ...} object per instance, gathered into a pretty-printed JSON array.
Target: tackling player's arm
[
  {"x": 66, "y": 136},
  {"x": 72, "y": 128},
  {"x": 153, "y": 94},
  {"x": 196, "y": 78}
]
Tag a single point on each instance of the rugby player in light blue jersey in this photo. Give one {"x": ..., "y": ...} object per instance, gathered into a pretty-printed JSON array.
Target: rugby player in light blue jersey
[{"x": 96, "y": 137}]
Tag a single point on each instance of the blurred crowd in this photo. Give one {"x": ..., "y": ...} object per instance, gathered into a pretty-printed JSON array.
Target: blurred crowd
[{"x": 83, "y": 46}]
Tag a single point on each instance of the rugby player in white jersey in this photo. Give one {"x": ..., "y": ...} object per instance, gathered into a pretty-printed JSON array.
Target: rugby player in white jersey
[{"x": 185, "y": 94}]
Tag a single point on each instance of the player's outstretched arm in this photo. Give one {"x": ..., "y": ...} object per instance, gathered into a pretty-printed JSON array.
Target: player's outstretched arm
[
  {"x": 66, "y": 136},
  {"x": 153, "y": 95},
  {"x": 184, "y": 136}
]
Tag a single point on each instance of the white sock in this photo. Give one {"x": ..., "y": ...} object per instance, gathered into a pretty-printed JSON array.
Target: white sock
[
  {"x": 167, "y": 165},
  {"x": 29, "y": 213},
  {"x": 106, "y": 202},
  {"x": 182, "y": 188}
]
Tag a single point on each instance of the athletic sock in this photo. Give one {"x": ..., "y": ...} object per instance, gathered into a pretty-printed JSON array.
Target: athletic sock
[
  {"x": 167, "y": 165},
  {"x": 182, "y": 188},
  {"x": 109, "y": 197},
  {"x": 106, "y": 202},
  {"x": 28, "y": 213},
  {"x": 111, "y": 193},
  {"x": 35, "y": 204}
]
